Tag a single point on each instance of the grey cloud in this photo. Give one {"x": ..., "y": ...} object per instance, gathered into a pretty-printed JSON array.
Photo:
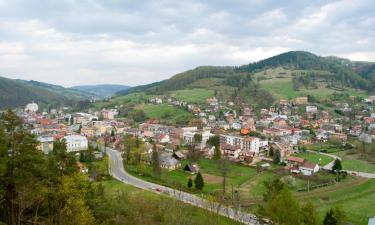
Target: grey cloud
[{"x": 135, "y": 42}]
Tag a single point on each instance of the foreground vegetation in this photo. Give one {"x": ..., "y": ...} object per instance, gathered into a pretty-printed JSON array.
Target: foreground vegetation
[{"x": 49, "y": 189}]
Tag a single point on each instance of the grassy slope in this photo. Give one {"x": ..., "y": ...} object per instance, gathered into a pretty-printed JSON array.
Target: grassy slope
[
  {"x": 357, "y": 200},
  {"x": 165, "y": 112},
  {"x": 353, "y": 163},
  {"x": 315, "y": 158},
  {"x": 278, "y": 81},
  {"x": 195, "y": 95},
  {"x": 195, "y": 214}
]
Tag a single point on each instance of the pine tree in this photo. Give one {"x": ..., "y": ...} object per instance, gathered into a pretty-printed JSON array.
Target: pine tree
[
  {"x": 199, "y": 182},
  {"x": 155, "y": 162},
  {"x": 190, "y": 183},
  {"x": 337, "y": 165},
  {"x": 335, "y": 216},
  {"x": 277, "y": 157}
]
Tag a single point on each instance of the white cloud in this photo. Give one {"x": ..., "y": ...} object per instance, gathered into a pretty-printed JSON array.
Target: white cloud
[{"x": 78, "y": 42}]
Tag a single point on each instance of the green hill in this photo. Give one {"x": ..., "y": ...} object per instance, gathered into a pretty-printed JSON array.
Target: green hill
[
  {"x": 17, "y": 93},
  {"x": 287, "y": 75}
]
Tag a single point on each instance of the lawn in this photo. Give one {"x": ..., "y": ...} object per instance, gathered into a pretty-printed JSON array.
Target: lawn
[
  {"x": 211, "y": 170},
  {"x": 357, "y": 200},
  {"x": 195, "y": 95},
  {"x": 195, "y": 215},
  {"x": 165, "y": 112},
  {"x": 351, "y": 162},
  {"x": 321, "y": 160}
]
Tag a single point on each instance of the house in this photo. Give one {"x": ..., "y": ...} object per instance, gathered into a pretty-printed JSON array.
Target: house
[
  {"x": 272, "y": 132},
  {"x": 75, "y": 143},
  {"x": 284, "y": 149},
  {"x": 311, "y": 109},
  {"x": 293, "y": 161},
  {"x": 309, "y": 168},
  {"x": 191, "y": 168},
  {"x": 178, "y": 155},
  {"x": 230, "y": 151},
  {"x": 366, "y": 138},
  {"x": 31, "y": 108},
  {"x": 300, "y": 101},
  {"x": 341, "y": 137},
  {"x": 251, "y": 144},
  {"x": 168, "y": 162},
  {"x": 164, "y": 138},
  {"x": 45, "y": 144}
]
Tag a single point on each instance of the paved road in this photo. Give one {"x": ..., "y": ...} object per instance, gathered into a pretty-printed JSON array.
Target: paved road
[
  {"x": 116, "y": 170},
  {"x": 353, "y": 173}
]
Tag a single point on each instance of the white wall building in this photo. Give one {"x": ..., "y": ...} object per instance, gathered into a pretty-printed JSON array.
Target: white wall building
[
  {"x": 32, "y": 107},
  {"x": 76, "y": 143}
]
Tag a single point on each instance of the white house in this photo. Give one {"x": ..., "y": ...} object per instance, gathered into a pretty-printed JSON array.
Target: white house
[
  {"x": 76, "y": 143},
  {"x": 308, "y": 168},
  {"x": 31, "y": 107},
  {"x": 311, "y": 109},
  {"x": 45, "y": 144}
]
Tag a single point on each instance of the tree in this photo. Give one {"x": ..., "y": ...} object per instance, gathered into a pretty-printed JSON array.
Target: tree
[
  {"x": 279, "y": 205},
  {"x": 214, "y": 141},
  {"x": 335, "y": 216},
  {"x": 197, "y": 138},
  {"x": 309, "y": 214},
  {"x": 80, "y": 129},
  {"x": 190, "y": 183},
  {"x": 199, "y": 182},
  {"x": 277, "y": 157},
  {"x": 217, "y": 153},
  {"x": 155, "y": 162},
  {"x": 71, "y": 120},
  {"x": 224, "y": 169},
  {"x": 337, "y": 165}
]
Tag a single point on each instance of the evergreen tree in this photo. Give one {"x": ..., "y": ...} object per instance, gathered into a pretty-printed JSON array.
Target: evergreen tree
[
  {"x": 337, "y": 165},
  {"x": 199, "y": 182},
  {"x": 309, "y": 214},
  {"x": 190, "y": 183},
  {"x": 277, "y": 157},
  {"x": 155, "y": 162},
  {"x": 335, "y": 216}
]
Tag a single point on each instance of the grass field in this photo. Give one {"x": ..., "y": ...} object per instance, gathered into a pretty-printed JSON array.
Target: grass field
[
  {"x": 351, "y": 162},
  {"x": 165, "y": 112},
  {"x": 356, "y": 197},
  {"x": 278, "y": 82},
  {"x": 321, "y": 160},
  {"x": 195, "y": 95},
  {"x": 211, "y": 170},
  {"x": 192, "y": 215}
]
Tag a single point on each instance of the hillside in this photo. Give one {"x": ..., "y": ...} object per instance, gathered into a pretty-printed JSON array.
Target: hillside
[
  {"x": 102, "y": 90},
  {"x": 287, "y": 75},
  {"x": 17, "y": 93}
]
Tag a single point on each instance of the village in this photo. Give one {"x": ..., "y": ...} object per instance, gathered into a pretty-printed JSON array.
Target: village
[{"x": 272, "y": 135}]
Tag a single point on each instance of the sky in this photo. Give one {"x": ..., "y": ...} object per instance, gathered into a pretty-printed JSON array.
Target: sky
[{"x": 77, "y": 42}]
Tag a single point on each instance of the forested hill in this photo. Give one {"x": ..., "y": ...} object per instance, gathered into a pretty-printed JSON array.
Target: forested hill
[
  {"x": 345, "y": 72},
  {"x": 334, "y": 71},
  {"x": 17, "y": 93}
]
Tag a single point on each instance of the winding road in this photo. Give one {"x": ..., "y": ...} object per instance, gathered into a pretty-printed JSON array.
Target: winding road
[{"x": 116, "y": 170}]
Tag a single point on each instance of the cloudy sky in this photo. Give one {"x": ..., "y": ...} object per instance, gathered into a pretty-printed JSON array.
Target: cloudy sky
[{"x": 71, "y": 42}]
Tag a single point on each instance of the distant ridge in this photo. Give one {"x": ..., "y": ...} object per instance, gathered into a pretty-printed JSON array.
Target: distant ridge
[
  {"x": 102, "y": 90},
  {"x": 16, "y": 93}
]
